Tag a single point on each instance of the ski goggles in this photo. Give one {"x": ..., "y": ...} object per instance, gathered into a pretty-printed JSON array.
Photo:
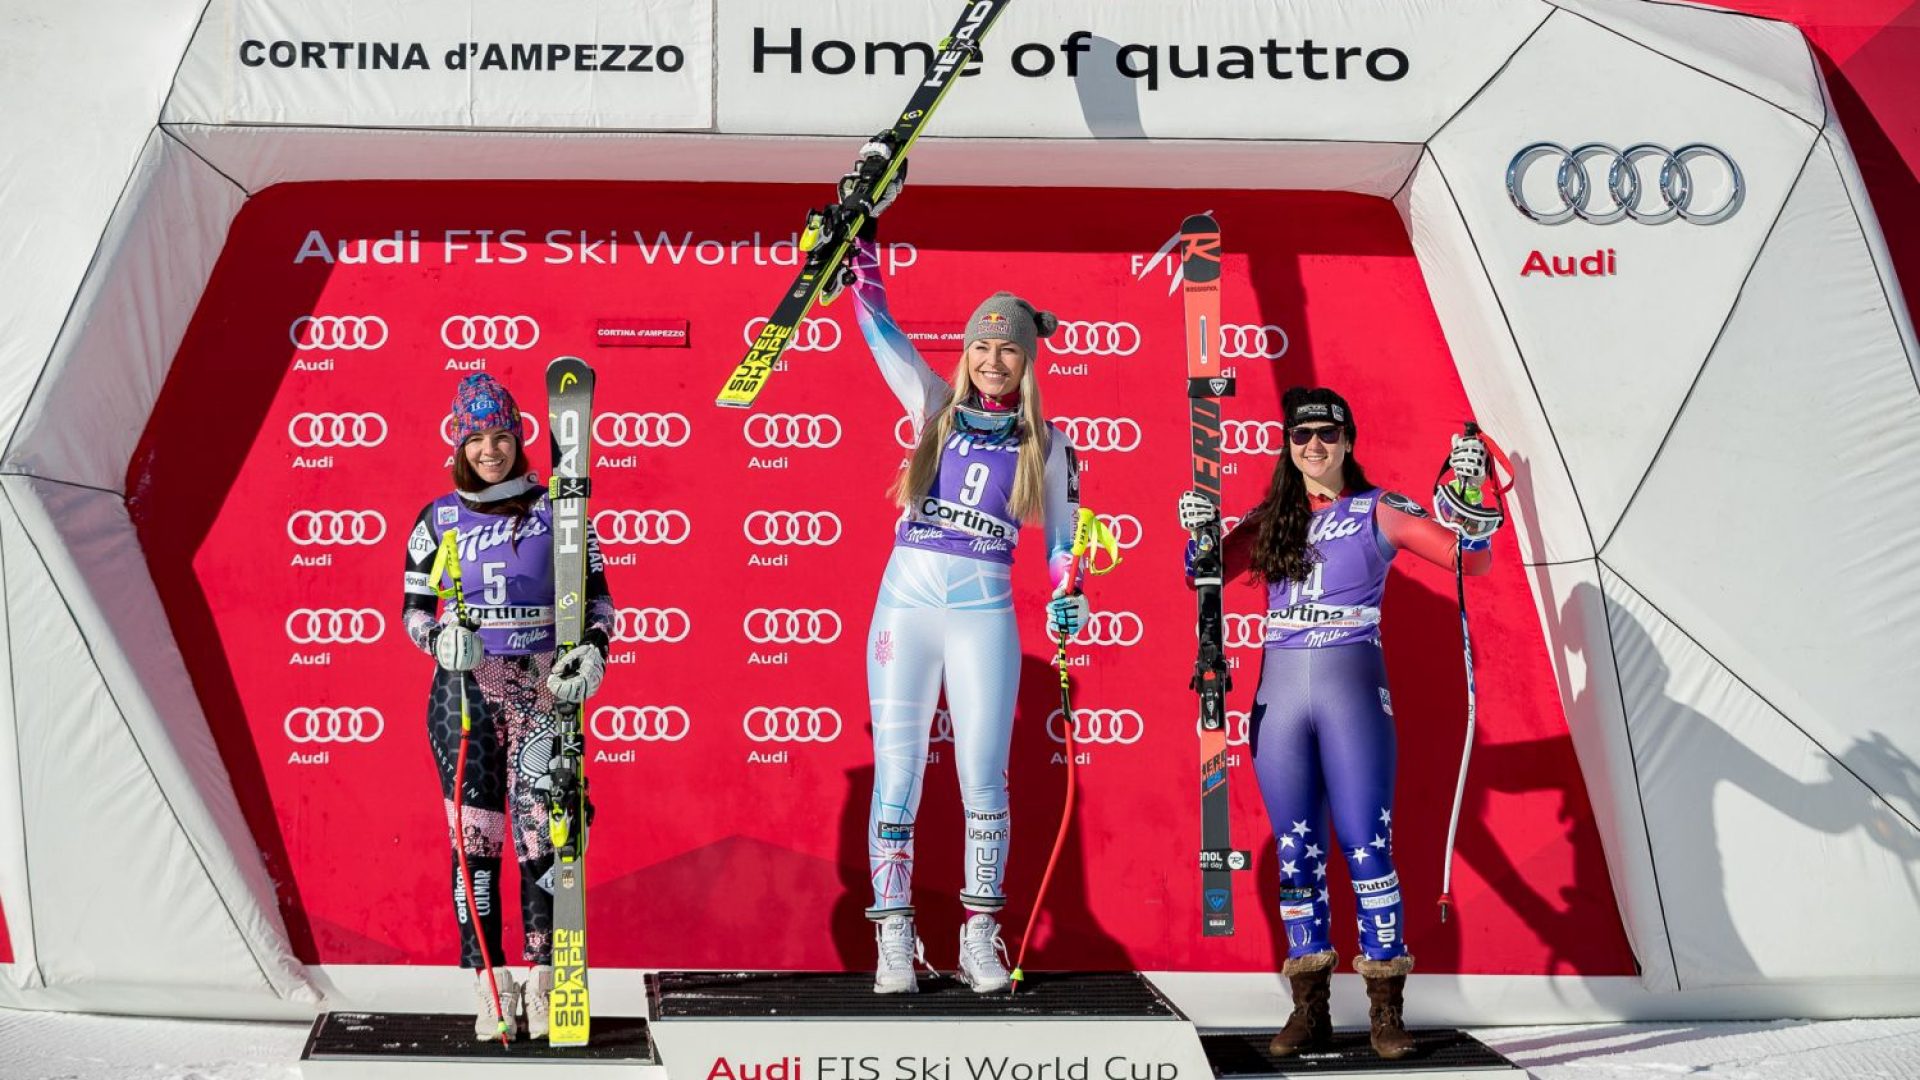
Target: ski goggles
[{"x": 1301, "y": 436}]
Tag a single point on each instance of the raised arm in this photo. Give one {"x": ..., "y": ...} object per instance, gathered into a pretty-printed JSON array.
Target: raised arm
[{"x": 920, "y": 390}]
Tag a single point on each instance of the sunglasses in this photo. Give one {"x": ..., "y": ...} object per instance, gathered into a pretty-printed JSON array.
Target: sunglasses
[{"x": 1301, "y": 436}]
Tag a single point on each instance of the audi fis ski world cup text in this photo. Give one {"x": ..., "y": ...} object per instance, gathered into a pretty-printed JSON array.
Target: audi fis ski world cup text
[
  {"x": 966, "y": 1067},
  {"x": 574, "y": 246}
]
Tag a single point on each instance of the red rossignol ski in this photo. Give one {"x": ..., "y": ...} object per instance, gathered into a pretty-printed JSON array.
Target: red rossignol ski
[{"x": 1206, "y": 385}]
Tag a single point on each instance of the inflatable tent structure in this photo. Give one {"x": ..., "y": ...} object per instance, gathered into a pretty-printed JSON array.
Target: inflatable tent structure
[{"x": 1735, "y": 638}]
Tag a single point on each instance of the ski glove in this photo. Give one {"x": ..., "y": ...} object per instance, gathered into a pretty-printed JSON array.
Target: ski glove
[
  {"x": 1067, "y": 614},
  {"x": 456, "y": 648},
  {"x": 577, "y": 674},
  {"x": 1197, "y": 511},
  {"x": 1468, "y": 460}
]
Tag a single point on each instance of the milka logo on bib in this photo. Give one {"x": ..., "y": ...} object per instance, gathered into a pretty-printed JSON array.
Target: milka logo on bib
[
  {"x": 481, "y": 537},
  {"x": 1328, "y": 527},
  {"x": 964, "y": 445}
]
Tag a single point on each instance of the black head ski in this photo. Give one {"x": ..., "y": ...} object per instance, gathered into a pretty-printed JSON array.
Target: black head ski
[
  {"x": 831, "y": 230},
  {"x": 569, "y": 427}
]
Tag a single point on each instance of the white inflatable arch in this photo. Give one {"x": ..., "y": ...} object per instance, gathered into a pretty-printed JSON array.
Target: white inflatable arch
[{"x": 1718, "y": 421}]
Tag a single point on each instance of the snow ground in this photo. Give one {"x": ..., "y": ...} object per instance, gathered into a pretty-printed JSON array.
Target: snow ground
[{"x": 53, "y": 1046}]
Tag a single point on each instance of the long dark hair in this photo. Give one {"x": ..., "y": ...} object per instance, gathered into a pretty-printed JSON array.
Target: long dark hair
[{"x": 1280, "y": 548}]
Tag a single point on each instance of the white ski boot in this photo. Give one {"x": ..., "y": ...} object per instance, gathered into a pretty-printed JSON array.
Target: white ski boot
[
  {"x": 486, "y": 1022},
  {"x": 900, "y": 948},
  {"x": 983, "y": 956},
  {"x": 535, "y": 992}
]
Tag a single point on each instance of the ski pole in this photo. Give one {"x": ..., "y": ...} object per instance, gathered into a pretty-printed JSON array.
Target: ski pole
[
  {"x": 1472, "y": 496},
  {"x": 1089, "y": 533},
  {"x": 446, "y": 564}
]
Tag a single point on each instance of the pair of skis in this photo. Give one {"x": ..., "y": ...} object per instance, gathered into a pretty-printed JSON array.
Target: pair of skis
[
  {"x": 832, "y": 229},
  {"x": 569, "y": 428},
  {"x": 1206, "y": 385}
]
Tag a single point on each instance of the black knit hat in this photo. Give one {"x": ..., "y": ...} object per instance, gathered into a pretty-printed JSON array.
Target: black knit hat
[{"x": 1315, "y": 405}]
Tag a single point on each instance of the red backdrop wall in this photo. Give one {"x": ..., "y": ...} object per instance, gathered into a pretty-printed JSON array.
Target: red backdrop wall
[{"x": 300, "y": 432}]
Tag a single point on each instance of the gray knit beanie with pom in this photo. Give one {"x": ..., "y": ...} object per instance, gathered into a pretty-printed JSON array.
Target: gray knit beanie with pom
[{"x": 1005, "y": 317}]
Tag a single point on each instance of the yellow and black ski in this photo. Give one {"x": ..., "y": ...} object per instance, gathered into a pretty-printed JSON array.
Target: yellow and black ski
[{"x": 831, "y": 230}]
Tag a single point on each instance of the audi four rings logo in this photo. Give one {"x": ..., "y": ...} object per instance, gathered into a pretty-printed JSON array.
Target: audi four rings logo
[
  {"x": 1252, "y": 436},
  {"x": 334, "y": 725},
  {"x": 1624, "y": 194},
  {"x": 326, "y": 528},
  {"x": 533, "y": 428},
  {"x": 341, "y": 333},
  {"x": 792, "y": 626},
  {"x": 1246, "y": 341},
  {"x": 1108, "y": 628},
  {"x": 903, "y": 432},
  {"x": 337, "y": 429},
  {"x": 792, "y": 528},
  {"x": 812, "y": 335},
  {"x": 785, "y": 724},
  {"x": 1104, "y": 727},
  {"x": 642, "y": 526},
  {"x": 798, "y": 431},
  {"x": 469, "y": 332},
  {"x": 335, "y": 626},
  {"x": 1125, "y": 528},
  {"x": 1095, "y": 339},
  {"x": 640, "y": 723},
  {"x": 1244, "y": 631},
  {"x": 942, "y": 726},
  {"x": 650, "y": 429},
  {"x": 1115, "y": 433},
  {"x": 651, "y": 625},
  {"x": 1239, "y": 727}
]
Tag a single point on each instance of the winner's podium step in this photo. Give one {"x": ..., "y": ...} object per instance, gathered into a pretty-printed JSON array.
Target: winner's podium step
[
  {"x": 806, "y": 1026},
  {"x": 1438, "y": 1053},
  {"x": 432, "y": 1046},
  {"x": 762, "y": 995}
]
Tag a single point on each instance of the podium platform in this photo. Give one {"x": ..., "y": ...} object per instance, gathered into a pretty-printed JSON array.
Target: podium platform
[
  {"x": 1443, "y": 1052},
  {"x": 746, "y": 1025},
  {"x": 433, "y": 1046}
]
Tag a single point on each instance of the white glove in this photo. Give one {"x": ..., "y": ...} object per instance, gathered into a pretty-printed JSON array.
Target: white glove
[
  {"x": 1197, "y": 511},
  {"x": 577, "y": 674},
  {"x": 1066, "y": 615},
  {"x": 1468, "y": 460},
  {"x": 457, "y": 648}
]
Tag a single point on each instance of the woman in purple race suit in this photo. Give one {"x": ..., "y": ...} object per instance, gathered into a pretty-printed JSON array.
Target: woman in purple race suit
[
  {"x": 1322, "y": 726},
  {"x": 504, "y": 667}
]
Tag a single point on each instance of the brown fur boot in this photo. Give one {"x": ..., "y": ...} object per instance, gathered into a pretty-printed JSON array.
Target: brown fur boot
[
  {"x": 1310, "y": 1025},
  {"x": 1385, "y": 981}
]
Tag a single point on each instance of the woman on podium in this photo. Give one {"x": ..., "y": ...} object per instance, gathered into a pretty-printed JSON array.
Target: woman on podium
[{"x": 1322, "y": 726}]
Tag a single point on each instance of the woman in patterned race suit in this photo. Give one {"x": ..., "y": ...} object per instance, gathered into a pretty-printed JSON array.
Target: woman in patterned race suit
[
  {"x": 504, "y": 666},
  {"x": 1322, "y": 726}
]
